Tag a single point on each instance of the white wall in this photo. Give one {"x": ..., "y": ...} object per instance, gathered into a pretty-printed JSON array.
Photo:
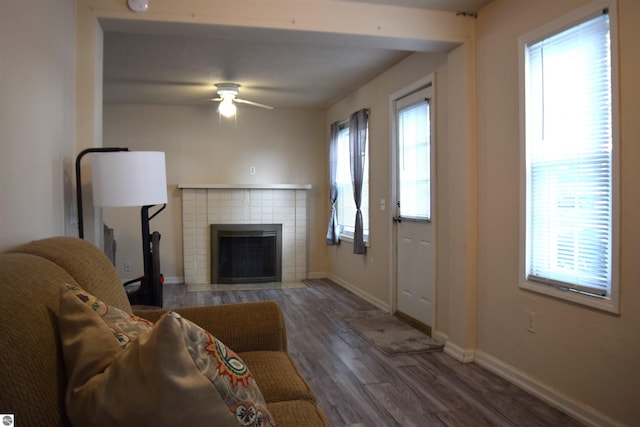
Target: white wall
[
  {"x": 586, "y": 355},
  {"x": 285, "y": 147},
  {"x": 37, "y": 117}
]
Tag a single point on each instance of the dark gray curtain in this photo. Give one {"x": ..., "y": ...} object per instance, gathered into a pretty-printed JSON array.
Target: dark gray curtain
[
  {"x": 357, "y": 150},
  {"x": 333, "y": 232}
]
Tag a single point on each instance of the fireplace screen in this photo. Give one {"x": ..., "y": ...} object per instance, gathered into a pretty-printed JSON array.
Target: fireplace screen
[{"x": 246, "y": 253}]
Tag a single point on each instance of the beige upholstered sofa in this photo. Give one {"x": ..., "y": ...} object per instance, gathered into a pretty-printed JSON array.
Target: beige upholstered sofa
[{"x": 32, "y": 370}]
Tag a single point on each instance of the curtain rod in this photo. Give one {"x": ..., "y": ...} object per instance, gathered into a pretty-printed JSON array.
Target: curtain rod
[{"x": 345, "y": 122}]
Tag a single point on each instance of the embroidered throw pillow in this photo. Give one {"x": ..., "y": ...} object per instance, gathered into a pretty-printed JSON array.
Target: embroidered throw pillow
[
  {"x": 124, "y": 326},
  {"x": 129, "y": 372}
]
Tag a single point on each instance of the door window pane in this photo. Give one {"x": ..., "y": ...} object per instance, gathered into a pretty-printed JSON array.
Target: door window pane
[{"x": 414, "y": 160}]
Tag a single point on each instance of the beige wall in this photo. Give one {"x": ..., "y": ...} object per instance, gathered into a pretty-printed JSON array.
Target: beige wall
[
  {"x": 285, "y": 147},
  {"x": 89, "y": 49},
  {"x": 371, "y": 273},
  {"x": 387, "y": 24},
  {"x": 37, "y": 116},
  {"x": 585, "y": 354}
]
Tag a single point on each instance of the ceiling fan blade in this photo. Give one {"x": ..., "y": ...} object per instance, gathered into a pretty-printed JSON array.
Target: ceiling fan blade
[
  {"x": 255, "y": 104},
  {"x": 214, "y": 99}
]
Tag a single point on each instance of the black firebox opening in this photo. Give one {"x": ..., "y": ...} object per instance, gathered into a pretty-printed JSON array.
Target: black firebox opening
[{"x": 246, "y": 253}]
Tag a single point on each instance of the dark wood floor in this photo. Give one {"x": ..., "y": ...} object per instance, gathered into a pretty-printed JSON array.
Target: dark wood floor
[{"x": 357, "y": 385}]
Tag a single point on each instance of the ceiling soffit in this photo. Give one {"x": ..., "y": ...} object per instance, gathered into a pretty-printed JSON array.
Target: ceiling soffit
[{"x": 169, "y": 62}]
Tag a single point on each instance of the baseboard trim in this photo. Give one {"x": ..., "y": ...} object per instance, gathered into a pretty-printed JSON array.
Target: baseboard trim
[
  {"x": 460, "y": 354},
  {"x": 440, "y": 336},
  {"x": 553, "y": 397},
  {"x": 359, "y": 292},
  {"x": 317, "y": 275}
]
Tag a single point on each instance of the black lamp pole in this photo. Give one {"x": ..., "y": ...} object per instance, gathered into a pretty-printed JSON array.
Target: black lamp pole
[{"x": 151, "y": 288}]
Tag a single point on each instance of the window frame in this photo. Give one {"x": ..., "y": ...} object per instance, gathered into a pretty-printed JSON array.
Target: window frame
[
  {"x": 611, "y": 302},
  {"x": 347, "y": 231}
]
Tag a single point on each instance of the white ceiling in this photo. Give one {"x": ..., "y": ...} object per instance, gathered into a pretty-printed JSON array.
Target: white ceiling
[{"x": 151, "y": 63}]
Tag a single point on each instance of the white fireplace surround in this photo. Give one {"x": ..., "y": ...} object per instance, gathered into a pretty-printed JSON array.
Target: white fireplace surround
[{"x": 203, "y": 205}]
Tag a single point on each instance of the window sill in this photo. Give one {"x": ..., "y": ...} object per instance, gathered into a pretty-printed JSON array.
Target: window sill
[
  {"x": 349, "y": 238},
  {"x": 609, "y": 305}
]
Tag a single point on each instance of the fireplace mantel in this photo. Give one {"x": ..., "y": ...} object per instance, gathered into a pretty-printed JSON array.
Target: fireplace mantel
[{"x": 247, "y": 186}]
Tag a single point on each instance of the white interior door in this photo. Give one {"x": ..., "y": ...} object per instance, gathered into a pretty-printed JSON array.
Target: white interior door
[{"x": 414, "y": 219}]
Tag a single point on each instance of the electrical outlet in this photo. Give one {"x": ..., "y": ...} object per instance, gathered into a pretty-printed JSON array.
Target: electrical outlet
[
  {"x": 252, "y": 170},
  {"x": 531, "y": 322},
  {"x": 127, "y": 266},
  {"x": 370, "y": 263}
]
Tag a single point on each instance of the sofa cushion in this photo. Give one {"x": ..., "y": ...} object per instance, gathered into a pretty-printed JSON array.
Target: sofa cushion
[
  {"x": 277, "y": 375},
  {"x": 174, "y": 373}
]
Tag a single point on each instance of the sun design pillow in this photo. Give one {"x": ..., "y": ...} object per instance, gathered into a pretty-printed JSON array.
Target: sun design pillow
[{"x": 173, "y": 373}]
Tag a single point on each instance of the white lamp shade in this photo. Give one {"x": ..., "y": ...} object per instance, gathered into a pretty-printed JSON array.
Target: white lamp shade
[{"x": 129, "y": 178}]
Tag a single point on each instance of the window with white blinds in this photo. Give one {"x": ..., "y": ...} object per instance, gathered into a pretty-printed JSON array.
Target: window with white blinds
[
  {"x": 346, "y": 206},
  {"x": 569, "y": 158}
]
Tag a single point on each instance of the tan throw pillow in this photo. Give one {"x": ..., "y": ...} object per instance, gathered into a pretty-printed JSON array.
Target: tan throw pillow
[{"x": 173, "y": 374}]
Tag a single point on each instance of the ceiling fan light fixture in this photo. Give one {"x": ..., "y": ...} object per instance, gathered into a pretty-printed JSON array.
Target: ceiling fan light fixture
[
  {"x": 227, "y": 108},
  {"x": 227, "y": 96}
]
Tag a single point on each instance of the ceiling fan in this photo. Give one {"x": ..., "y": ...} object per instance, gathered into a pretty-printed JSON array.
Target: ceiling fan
[{"x": 227, "y": 93}]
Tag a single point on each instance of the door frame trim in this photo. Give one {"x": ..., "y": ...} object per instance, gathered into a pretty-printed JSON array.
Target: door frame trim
[{"x": 428, "y": 80}]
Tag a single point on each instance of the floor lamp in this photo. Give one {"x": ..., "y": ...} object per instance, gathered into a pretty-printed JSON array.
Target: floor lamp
[{"x": 131, "y": 178}]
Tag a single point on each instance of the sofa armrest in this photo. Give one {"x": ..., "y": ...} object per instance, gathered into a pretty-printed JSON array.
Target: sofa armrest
[{"x": 249, "y": 326}]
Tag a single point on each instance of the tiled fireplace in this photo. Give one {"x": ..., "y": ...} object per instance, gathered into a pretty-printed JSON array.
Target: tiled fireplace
[{"x": 203, "y": 205}]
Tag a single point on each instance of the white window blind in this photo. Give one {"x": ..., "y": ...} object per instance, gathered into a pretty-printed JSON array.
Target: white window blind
[
  {"x": 569, "y": 158},
  {"x": 413, "y": 127},
  {"x": 346, "y": 209}
]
